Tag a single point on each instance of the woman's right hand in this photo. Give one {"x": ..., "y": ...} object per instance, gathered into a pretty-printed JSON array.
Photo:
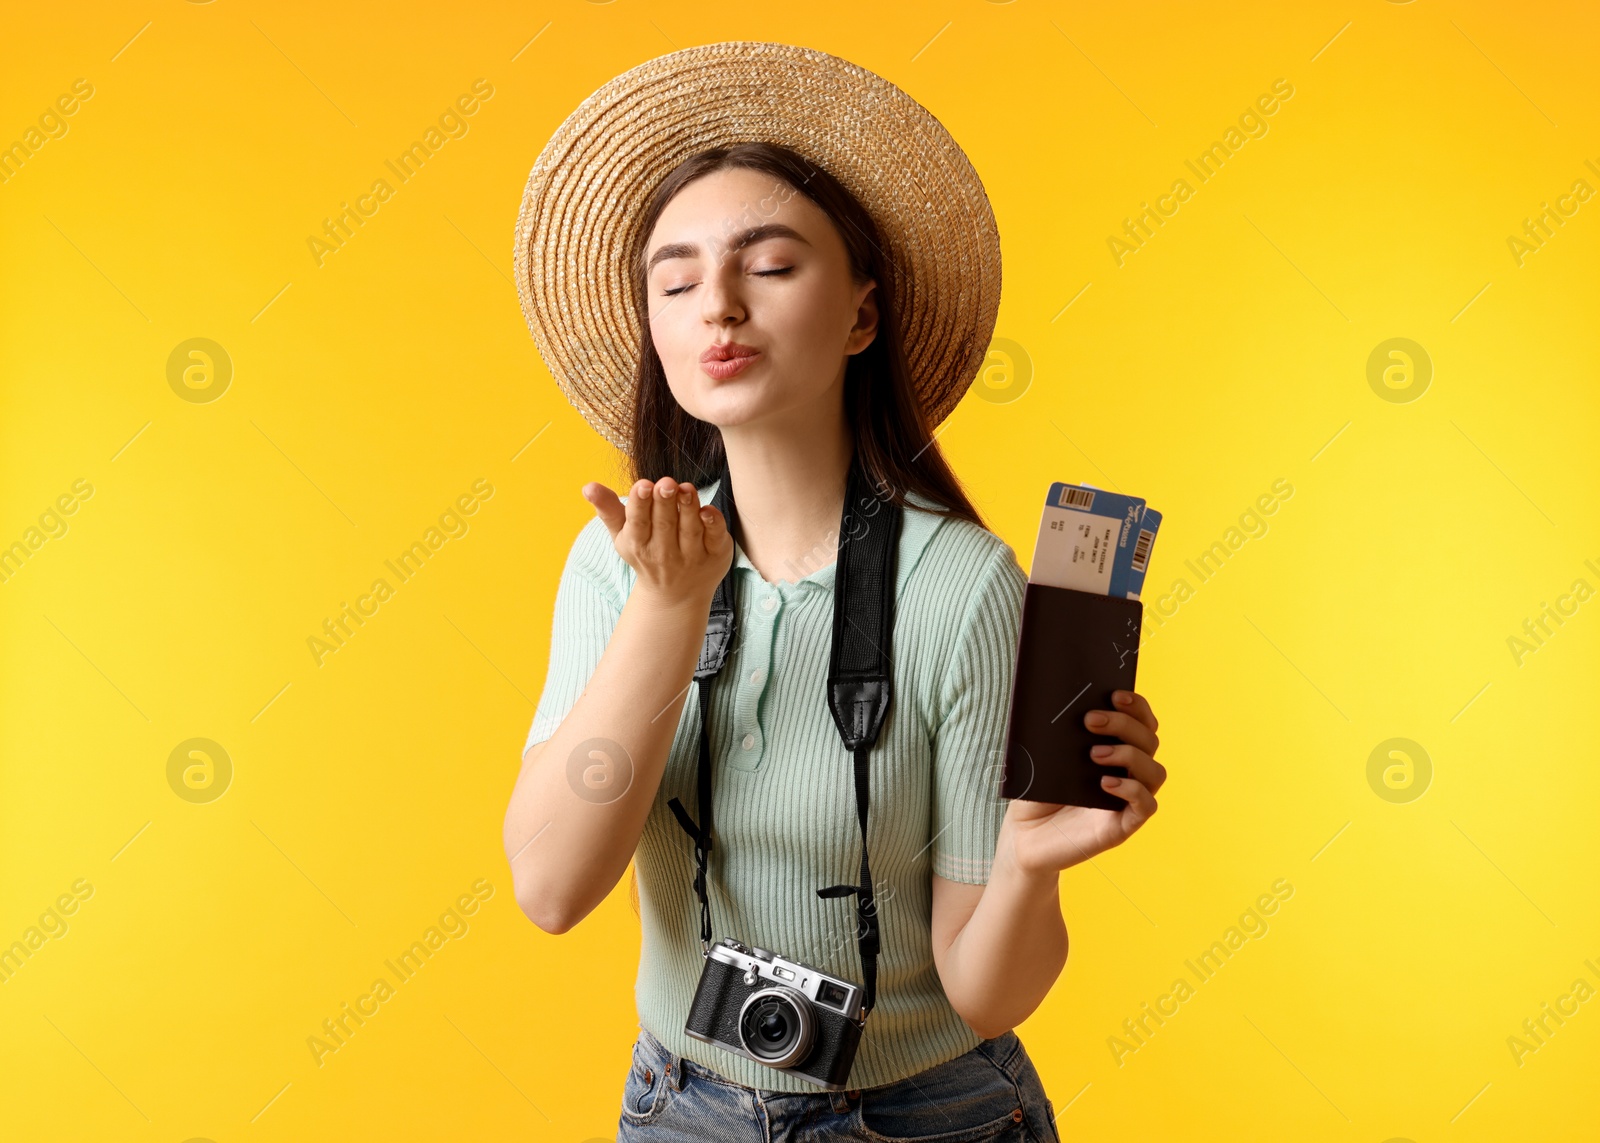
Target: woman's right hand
[{"x": 679, "y": 549}]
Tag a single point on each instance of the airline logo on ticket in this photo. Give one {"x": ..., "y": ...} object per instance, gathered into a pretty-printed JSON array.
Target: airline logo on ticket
[{"x": 1085, "y": 539}]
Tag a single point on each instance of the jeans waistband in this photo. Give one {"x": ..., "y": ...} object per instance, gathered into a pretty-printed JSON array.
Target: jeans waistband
[
  {"x": 679, "y": 1071},
  {"x": 1004, "y": 1050}
]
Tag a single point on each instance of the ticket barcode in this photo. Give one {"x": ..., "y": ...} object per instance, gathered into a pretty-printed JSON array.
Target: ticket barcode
[
  {"x": 1077, "y": 498},
  {"x": 1141, "y": 550}
]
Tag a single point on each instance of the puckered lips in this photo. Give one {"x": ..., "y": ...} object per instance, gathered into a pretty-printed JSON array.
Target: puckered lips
[{"x": 725, "y": 359}]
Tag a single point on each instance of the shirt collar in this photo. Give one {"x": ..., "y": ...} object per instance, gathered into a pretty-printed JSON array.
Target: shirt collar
[{"x": 917, "y": 527}]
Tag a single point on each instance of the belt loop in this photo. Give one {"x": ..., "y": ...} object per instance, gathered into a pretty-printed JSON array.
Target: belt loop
[
  {"x": 841, "y": 1102},
  {"x": 671, "y": 1062}
]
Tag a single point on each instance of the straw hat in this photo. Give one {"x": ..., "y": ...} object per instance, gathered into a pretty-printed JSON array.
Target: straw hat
[{"x": 586, "y": 194}]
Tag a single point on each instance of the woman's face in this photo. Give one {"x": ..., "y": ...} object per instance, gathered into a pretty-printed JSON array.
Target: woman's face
[{"x": 740, "y": 256}]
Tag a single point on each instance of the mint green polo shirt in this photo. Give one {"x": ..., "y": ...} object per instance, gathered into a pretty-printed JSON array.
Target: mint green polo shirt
[{"x": 784, "y": 814}]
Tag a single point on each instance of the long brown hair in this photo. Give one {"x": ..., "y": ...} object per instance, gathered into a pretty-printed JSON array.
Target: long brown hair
[{"x": 893, "y": 439}]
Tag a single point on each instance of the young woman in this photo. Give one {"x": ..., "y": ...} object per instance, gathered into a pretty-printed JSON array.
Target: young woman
[{"x": 771, "y": 356}]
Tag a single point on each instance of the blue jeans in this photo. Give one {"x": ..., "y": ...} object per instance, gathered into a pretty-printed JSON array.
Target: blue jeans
[{"x": 990, "y": 1093}]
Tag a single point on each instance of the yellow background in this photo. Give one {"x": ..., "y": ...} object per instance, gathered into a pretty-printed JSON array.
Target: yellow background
[{"x": 369, "y": 392}]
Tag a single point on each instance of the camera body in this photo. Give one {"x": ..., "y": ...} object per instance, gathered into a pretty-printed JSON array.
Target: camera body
[{"x": 777, "y": 1012}]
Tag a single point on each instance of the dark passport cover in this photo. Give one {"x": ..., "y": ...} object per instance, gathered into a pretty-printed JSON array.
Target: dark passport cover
[{"x": 1073, "y": 649}]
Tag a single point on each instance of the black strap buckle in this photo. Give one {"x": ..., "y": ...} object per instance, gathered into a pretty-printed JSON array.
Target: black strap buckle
[{"x": 866, "y": 909}]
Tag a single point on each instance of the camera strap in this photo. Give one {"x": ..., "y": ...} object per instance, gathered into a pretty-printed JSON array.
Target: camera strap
[{"x": 858, "y": 684}]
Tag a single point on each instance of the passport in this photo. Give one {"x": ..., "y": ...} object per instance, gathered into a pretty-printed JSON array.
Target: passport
[{"x": 1078, "y": 642}]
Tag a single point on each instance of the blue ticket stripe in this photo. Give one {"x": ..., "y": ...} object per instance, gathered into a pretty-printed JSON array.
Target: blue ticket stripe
[{"x": 1139, "y": 560}]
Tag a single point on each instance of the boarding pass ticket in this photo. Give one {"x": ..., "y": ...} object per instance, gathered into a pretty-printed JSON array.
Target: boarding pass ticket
[{"x": 1093, "y": 540}]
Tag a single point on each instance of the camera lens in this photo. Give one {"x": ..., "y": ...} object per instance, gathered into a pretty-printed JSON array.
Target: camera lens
[
  {"x": 771, "y": 1026},
  {"x": 774, "y": 1028},
  {"x": 767, "y": 1026}
]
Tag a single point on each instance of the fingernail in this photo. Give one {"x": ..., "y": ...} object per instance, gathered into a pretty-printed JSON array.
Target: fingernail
[
  {"x": 1111, "y": 783},
  {"x": 1123, "y": 698},
  {"x": 1097, "y": 719},
  {"x": 1101, "y": 751}
]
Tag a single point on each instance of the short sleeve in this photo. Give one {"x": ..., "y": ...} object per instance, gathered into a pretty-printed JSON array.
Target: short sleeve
[
  {"x": 589, "y": 602},
  {"x": 969, "y": 741}
]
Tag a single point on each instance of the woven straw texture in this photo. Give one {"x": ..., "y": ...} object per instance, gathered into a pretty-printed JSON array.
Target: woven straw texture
[{"x": 588, "y": 189}]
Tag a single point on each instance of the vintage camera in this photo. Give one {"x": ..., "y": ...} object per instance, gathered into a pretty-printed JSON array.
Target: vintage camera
[{"x": 777, "y": 1012}]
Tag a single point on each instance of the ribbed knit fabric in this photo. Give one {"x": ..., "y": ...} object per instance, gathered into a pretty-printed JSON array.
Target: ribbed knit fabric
[{"x": 784, "y": 816}]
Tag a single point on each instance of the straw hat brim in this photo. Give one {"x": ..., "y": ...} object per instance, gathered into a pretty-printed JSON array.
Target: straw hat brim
[{"x": 586, "y": 194}]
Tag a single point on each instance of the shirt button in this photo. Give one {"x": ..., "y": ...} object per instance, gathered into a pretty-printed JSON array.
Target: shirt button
[
  {"x": 749, "y": 741},
  {"x": 768, "y": 603},
  {"x": 757, "y": 675}
]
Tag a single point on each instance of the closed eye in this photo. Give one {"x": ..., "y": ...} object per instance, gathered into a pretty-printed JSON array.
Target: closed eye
[{"x": 759, "y": 274}]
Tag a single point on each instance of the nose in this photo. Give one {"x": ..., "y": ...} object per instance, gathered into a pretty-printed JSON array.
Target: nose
[{"x": 720, "y": 299}]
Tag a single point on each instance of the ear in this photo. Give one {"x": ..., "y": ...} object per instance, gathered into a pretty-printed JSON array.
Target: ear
[{"x": 866, "y": 326}]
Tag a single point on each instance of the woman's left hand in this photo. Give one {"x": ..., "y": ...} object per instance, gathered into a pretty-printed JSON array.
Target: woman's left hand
[{"x": 1052, "y": 837}]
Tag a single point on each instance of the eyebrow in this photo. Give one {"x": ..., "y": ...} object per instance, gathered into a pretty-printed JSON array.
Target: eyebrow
[{"x": 747, "y": 237}]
